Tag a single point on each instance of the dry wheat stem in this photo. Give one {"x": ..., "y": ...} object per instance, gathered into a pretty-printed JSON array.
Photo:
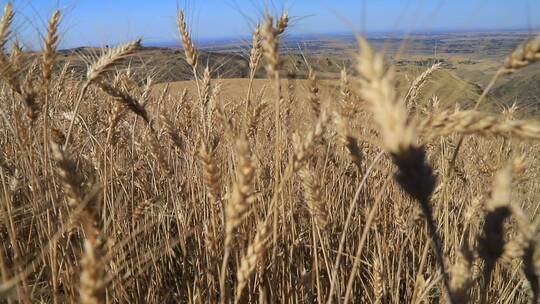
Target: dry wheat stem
[
  {"x": 350, "y": 212},
  {"x": 362, "y": 240}
]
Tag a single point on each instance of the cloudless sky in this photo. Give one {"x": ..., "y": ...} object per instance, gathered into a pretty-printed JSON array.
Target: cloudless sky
[{"x": 99, "y": 22}]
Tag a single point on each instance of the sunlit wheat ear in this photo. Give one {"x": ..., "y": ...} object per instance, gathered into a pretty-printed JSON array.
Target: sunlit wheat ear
[
  {"x": 5, "y": 24},
  {"x": 378, "y": 284},
  {"x": 528, "y": 53},
  {"x": 414, "y": 174},
  {"x": 478, "y": 123},
  {"x": 348, "y": 141},
  {"x": 417, "y": 85},
  {"x": 313, "y": 96},
  {"x": 7, "y": 70},
  {"x": 254, "y": 255},
  {"x": 255, "y": 118},
  {"x": 314, "y": 197},
  {"x": 256, "y": 50},
  {"x": 206, "y": 87},
  {"x": 67, "y": 171},
  {"x": 398, "y": 134},
  {"x": 242, "y": 192},
  {"x": 491, "y": 242},
  {"x": 49, "y": 47},
  {"x": 109, "y": 59},
  {"x": 15, "y": 56},
  {"x": 187, "y": 43},
  {"x": 211, "y": 170},
  {"x": 389, "y": 112},
  {"x": 270, "y": 47},
  {"x": 270, "y": 43}
]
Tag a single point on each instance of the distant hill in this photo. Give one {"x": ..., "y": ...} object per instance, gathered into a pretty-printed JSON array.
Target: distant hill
[
  {"x": 165, "y": 64},
  {"x": 522, "y": 88}
]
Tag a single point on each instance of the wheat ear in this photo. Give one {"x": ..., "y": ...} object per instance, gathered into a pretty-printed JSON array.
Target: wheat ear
[
  {"x": 110, "y": 58},
  {"x": 189, "y": 47},
  {"x": 417, "y": 85},
  {"x": 314, "y": 197},
  {"x": 242, "y": 193},
  {"x": 526, "y": 54},
  {"x": 95, "y": 72},
  {"x": 211, "y": 171},
  {"x": 7, "y": 70},
  {"x": 254, "y": 255},
  {"x": 5, "y": 24},
  {"x": 474, "y": 122},
  {"x": 414, "y": 175},
  {"x": 49, "y": 47}
]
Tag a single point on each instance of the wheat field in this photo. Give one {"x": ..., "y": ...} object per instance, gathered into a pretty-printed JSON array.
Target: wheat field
[{"x": 117, "y": 190}]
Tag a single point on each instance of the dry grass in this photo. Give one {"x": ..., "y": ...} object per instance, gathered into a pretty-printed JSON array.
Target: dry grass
[{"x": 124, "y": 192}]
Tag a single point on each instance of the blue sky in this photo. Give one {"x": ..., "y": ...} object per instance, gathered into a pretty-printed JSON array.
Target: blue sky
[{"x": 99, "y": 22}]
